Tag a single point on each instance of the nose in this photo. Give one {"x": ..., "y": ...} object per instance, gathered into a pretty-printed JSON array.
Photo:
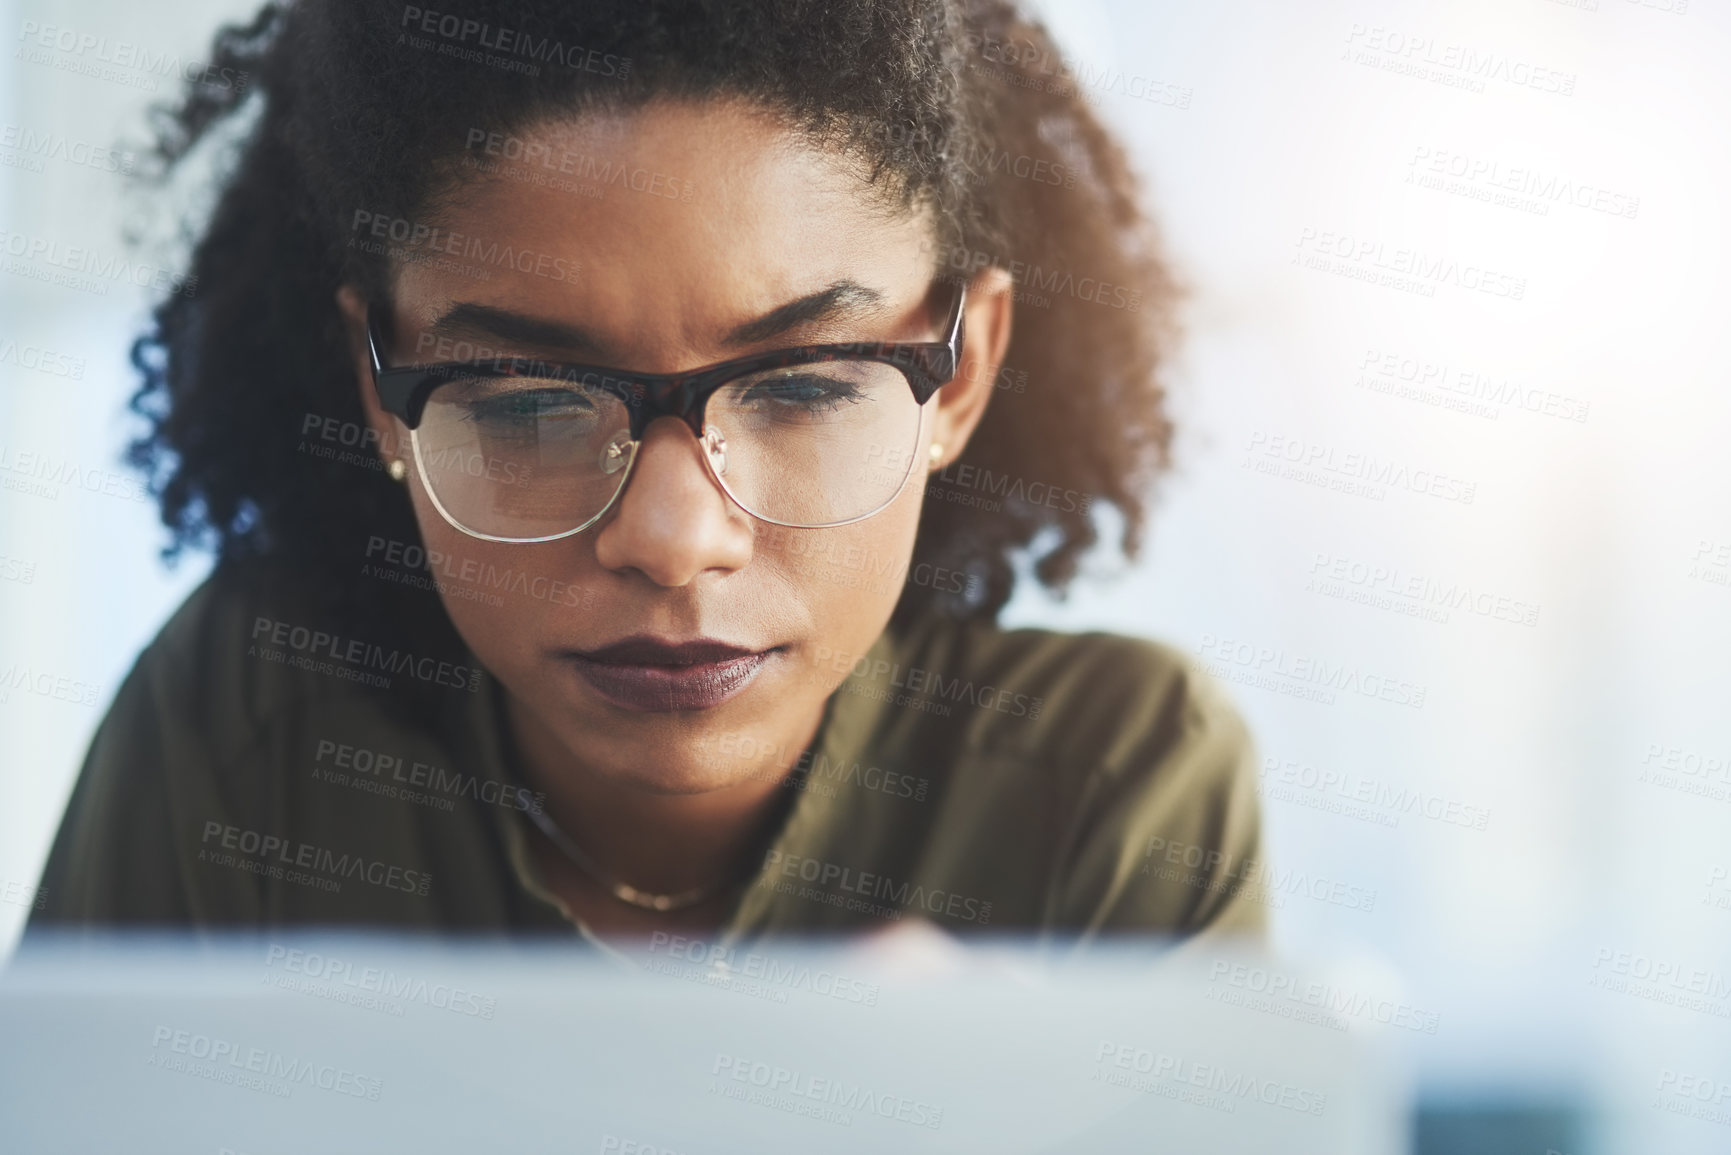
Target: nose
[{"x": 673, "y": 522}]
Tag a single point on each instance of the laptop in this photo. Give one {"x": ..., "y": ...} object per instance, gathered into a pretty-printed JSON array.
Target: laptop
[{"x": 303, "y": 1044}]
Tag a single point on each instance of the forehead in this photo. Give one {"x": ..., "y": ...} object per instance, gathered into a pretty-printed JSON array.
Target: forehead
[{"x": 679, "y": 219}]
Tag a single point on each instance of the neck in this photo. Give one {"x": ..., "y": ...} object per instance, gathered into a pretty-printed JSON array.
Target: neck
[{"x": 653, "y": 840}]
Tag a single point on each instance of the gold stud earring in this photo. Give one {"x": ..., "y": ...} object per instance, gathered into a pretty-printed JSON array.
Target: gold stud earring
[{"x": 397, "y": 469}]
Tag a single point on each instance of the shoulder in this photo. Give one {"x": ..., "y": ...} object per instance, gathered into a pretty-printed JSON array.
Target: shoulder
[
  {"x": 214, "y": 727},
  {"x": 1098, "y": 756},
  {"x": 258, "y": 642},
  {"x": 1085, "y": 703},
  {"x": 207, "y": 660},
  {"x": 163, "y": 757}
]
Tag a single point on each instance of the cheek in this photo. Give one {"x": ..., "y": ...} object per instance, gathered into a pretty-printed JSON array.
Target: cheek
[
  {"x": 850, "y": 577},
  {"x": 494, "y": 592}
]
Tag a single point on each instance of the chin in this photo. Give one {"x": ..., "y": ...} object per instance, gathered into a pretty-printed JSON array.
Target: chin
[{"x": 696, "y": 779}]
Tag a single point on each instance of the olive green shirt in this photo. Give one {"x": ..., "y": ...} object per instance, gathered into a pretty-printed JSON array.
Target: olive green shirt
[{"x": 253, "y": 772}]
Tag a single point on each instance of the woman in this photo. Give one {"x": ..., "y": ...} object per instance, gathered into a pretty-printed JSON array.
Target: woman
[{"x": 620, "y": 425}]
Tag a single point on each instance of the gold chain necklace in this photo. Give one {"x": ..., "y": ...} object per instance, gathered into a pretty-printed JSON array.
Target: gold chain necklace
[{"x": 624, "y": 891}]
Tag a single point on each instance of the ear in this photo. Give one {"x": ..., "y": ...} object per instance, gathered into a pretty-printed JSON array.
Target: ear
[
  {"x": 986, "y": 334},
  {"x": 393, "y": 437}
]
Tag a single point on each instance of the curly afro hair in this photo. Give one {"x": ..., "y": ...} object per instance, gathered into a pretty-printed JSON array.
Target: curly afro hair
[{"x": 953, "y": 104}]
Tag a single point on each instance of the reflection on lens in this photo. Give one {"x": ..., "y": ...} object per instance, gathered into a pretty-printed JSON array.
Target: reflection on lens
[
  {"x": 526, "y": 458},
  {"x": 521, "y": 457},
  {"x": 818, "y": 444}
]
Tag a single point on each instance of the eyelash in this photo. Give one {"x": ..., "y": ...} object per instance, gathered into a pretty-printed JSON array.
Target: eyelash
[
  {"x": 833, "y": 393},
  {"x": 516, "y": 404}
]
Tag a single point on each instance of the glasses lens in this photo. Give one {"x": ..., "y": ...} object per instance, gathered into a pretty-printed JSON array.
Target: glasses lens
[
  {"x": 816, "y": 444},
  {"x": 523, "y": 457}
]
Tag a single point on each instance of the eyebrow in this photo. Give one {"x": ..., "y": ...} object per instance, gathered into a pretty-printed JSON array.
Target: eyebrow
[{"x": 845, "y": 299}]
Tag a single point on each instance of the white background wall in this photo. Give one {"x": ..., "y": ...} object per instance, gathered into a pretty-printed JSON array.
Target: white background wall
[
  {"x": 1596, "y": 522},
  {"x": 1295, "y": 127}
]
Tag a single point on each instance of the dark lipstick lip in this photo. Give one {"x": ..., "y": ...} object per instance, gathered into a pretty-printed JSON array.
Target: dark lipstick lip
[
  {"x": 649, "y": 675},
  {"x": 644, "y": 650}
]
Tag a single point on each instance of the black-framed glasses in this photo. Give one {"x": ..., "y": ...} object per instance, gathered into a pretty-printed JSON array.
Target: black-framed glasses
[{"x": 515, "y": 449}]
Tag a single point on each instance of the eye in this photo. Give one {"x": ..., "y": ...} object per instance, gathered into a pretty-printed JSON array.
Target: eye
[
  {"x": 806, "y": 391},
  {"x": 529, "y": 405}
]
